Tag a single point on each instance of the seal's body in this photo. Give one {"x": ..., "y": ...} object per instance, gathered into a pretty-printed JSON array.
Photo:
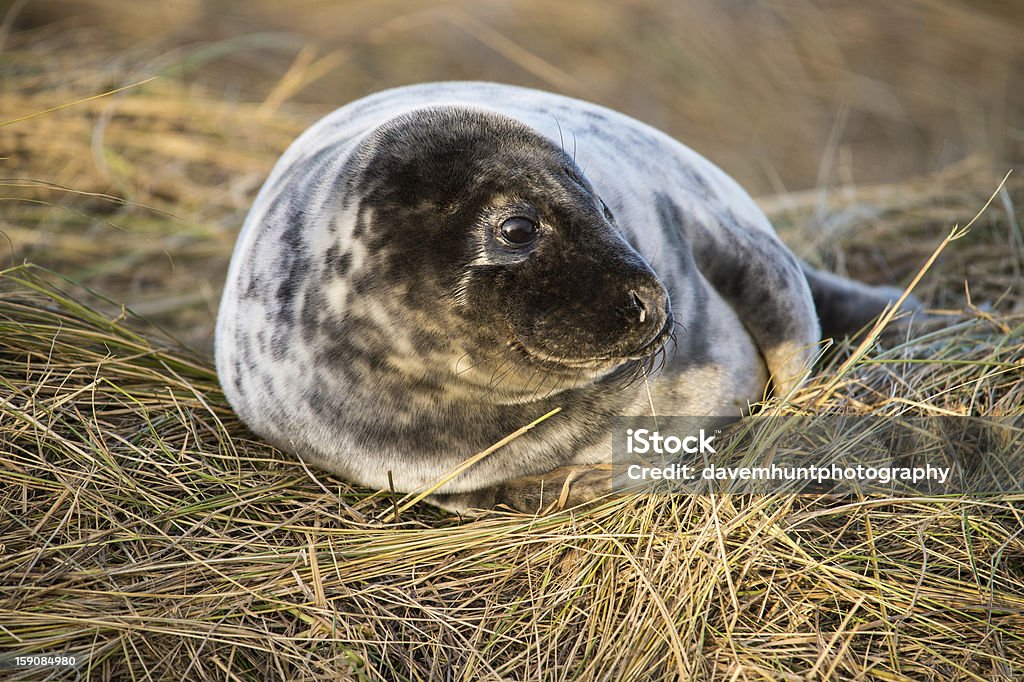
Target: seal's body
[{"x": 430, "y": 268}]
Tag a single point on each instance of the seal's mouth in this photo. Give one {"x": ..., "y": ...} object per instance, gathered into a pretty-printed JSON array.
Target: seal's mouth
[
  {"x": 596, "y": 362},
  {"x": 657, "y": 343}
]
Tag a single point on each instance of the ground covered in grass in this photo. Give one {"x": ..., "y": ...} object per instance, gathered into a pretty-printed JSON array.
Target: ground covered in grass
[{"x": 145, "y": 531}]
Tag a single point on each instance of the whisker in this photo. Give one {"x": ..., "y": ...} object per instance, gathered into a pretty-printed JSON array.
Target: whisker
[
  {"x": 650, "y": 400},
  {"x": 459, "y": 372},
  {"x": 561, "y": 142},
  {"x": 496, "y": 377}
]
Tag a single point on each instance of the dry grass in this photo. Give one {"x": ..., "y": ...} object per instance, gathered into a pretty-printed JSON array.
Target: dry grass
[
  {"x": 145, "y": 532},
  {"x": 143, "y": 529}
]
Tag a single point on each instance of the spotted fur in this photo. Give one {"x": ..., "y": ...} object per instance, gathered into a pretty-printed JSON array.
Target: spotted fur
[{"x": 375, "y": 321}]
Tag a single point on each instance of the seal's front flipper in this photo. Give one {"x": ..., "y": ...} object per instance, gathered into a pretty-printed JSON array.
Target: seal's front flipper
[
  {"x": 846, "y": 306},
  {"x": 559, "y": 489},
  {"x": 762, "y": 282}
]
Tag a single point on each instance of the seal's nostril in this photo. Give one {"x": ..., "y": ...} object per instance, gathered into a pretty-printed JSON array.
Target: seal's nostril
[{"x": 637, "y": 303}]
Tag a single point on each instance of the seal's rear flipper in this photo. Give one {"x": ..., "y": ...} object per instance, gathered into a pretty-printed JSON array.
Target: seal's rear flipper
[{"x": 845, "y": 306}]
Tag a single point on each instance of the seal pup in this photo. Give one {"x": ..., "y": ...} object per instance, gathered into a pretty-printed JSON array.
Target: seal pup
[{"x": 430, "y": 268}]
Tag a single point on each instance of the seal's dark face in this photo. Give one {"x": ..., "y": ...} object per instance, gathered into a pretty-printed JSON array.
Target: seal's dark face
[{"x": 498, "y": 226}]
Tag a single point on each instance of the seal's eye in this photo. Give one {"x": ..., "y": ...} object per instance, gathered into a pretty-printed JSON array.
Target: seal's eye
[{"x": 519, "y": 230}]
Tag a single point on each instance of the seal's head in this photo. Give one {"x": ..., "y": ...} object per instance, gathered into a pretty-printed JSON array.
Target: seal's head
[{"x": 499, "y": 230}]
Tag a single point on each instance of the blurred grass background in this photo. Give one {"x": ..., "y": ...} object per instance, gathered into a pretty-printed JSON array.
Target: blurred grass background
[
  {"x": 784, "y": 94},
  {"x": 143, "y": 528}
]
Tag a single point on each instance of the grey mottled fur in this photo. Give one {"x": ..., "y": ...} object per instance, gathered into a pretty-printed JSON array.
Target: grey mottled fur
[{"x": 339, "y": 349}]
